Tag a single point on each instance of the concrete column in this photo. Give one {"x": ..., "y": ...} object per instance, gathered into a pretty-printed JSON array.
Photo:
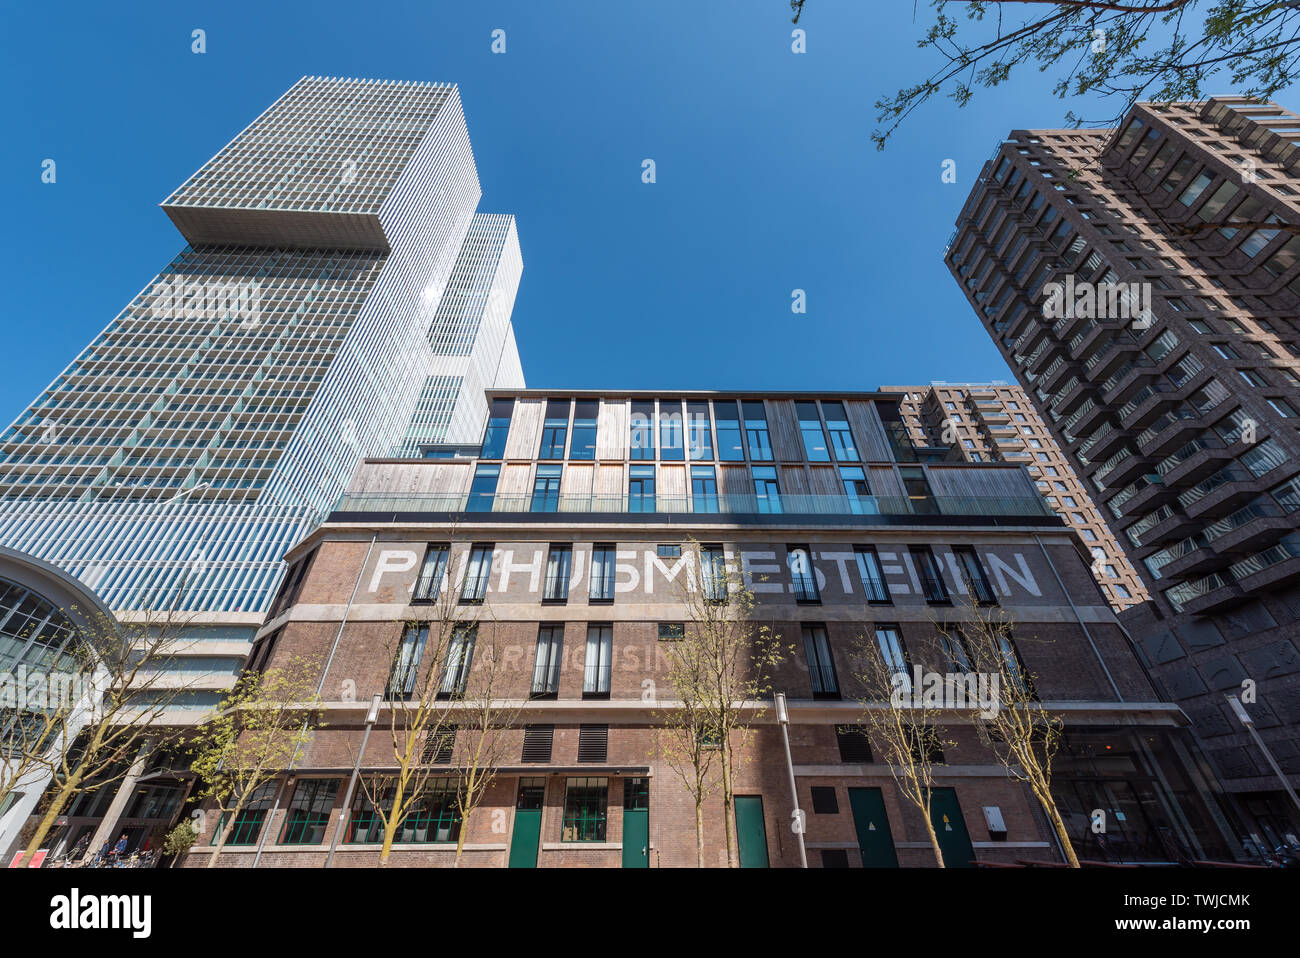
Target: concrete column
[{"x": 108, "y": 826}]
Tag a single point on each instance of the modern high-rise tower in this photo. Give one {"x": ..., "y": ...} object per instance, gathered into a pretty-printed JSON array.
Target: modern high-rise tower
[
  {"x": 1143, "y": 284},
  {"x": 338, "y": 298}
]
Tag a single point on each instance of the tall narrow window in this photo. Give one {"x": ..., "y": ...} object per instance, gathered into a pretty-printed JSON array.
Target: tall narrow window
[
  {"x": 891, "y": 650},
  {"x": 766, "y": 489},
  {"x": 803, "y": 578},
  {"x": 856, "y": 488},
  {"x": 1014, "y": 667},
  {"x": 917, "y": 486},
  {"x": 821, "y": 664},
  {"x": 972, "y": 573},
  {"x": 583, "y": 443},
  {"x": 546, "y": 489},
  {"x": 953, "y": 644},
  {"x": 559, "y": 561},
  {"x": 672, "y": 444},
  {"x": 699, "y": 435},
  {"x": 603, "y": 557},
  {"x": 596, "y": 668},
  {"x": 498, "y": 427},
  {"x": 406, "y": 664},
  {"x": 873, "y": 578},
  {"x": 477, "y": 572},
  {"x": 555, "y": 429},
  {"x": 483, "y": 489},
  {"x": 586, "y": 810},
  {"x": 713, "y": 572},
  {"x": 810, "y": 427},
  {"x": 927, "y": 569},
  {"x": 641, "y": 489},
  {"x": 643, "y": 430},
  {"x": 460, "y": 655},
  {"x": 431, "y": 572},
  {"x": 731, "y": 447},
  {"x": 704, "y": 489},
  {"x": 760, "y": 444},
  {"x": 546, "y": 669},
  {"x": 837, "y": 424}
]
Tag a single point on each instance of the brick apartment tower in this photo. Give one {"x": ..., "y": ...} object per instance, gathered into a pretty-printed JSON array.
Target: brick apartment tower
[
  {"x": 564, "y": 536},
  {"x": 1175, "y": 397},
  {"x": 997, "y": 422}
]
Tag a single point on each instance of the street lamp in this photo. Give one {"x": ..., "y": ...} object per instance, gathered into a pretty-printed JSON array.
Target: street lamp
[
  {"x": 1246, "y": 720},
  {"x": 797, "y": 818},
  {"x": 372, "y": 717}
]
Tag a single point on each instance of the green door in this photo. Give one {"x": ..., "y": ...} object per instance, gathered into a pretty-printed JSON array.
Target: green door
[
  {"x": 751, "y": 832},
  {"x": 636, "y": 823},
  {"x": 875, "y": 840},
  {"x": 954, "y": 841},
  {"x": 528, "y": 823}
]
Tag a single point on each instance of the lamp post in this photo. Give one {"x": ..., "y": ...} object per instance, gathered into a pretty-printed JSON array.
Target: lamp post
[
  {"x": 371, "y": 718},
  {"x": 797, "y": 816},
  {"x": 1246, "y": 720}
]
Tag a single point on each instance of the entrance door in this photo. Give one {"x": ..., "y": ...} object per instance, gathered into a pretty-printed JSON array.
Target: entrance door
[
  {"x": 954, "y": 842},
  {"x": 875, "y": 840},
  {"x": 636, "y": 823},
  {"x": 751, "y": 832},
  {"x": 528, "y": 823}
]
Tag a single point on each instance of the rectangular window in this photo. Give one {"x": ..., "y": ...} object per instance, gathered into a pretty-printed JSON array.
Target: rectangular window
[
  {"x": 704, "y": 489},
  {"x": 439, "y": 745},
  {"x": 766, "y": 489},
  {"x": 477, "y": 572},
  {"x": 643, "y": 430},
  {"x": 483, "y": 489},
  {"x": 546, "y": 489},
  {"x": 309, "y": 811},
  {"x": 546, "y": 669},
  {"x": 641, "y": 489},
  {"x": 697, "y": 430},
  {"x": 803, "y": 578},
  {"x": 583, "y": 443},
  {"x": 672, "y": 444},
  {"x": 927, "y": 568},
  {"x": 872, "y": 576},
  {"x": 917, "y": 487},
  {"x": 953, "y": 644},
  {"x": 603, "y": 557},
  {"x": 713, "y": 573},
  {"x": 731, "y": 447},
  {"x": 1013, "y": 666},
  {"x": 760, "y": 444},
  {"x": 559, "y": 561},
  {"x": 972, "y": 572},
  {"x": 1195, "y": 189},
  {"x": 825, "y": 802},
  {"x": 248, "y": 823},
  {"x": 890, "y": 644},
  {"x": 460, "y": 656},
  {"x": 555, "y": 429},
  {"x": 597, "y": 665},
  {"x": 433, "y": 818},
  {"x": 406, "y": 664},
  {"x": 855, "y": 746},
  {"x": 821, "y": 664},
  {"x": 858, "y": 491},
  {"x": 810, "y": 427},
  {"x": 498, "y": 427},
  {"x": 837, "y": 424},
  {"x": 431, "y": 572},
  {"x": 671, "y": 631},
  {"x": 586, "y": 808}
]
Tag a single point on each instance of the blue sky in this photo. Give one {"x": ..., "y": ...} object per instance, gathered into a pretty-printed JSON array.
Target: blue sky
[{"x": 767, "y": 180}]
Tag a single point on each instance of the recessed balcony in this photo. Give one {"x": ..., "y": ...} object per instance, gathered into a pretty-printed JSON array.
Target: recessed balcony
[
  {"x": 1250, "y": 528},
  {"x": 1194, "y": 461},
  {"x": 1146, "y": 405}
]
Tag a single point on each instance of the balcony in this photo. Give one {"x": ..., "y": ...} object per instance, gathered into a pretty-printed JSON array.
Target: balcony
[
  {"x": 1164, "y": 525},
  {"x": 1213, "y": 593},
  {"x": 1151, "y": 495},
  {"x": 1193, "y": 461},
  {"x": 1250, "y": 528},
  {"x": 1273, "y": 568},
  {"x": 1192, "y": 558},
  {"x": 1145, "y": 405},
  {"x": 1129, "y": 376},
  {"x": 1123, "y": 467},
  {"x": 1219, "y": 493},
  {"x": 1169, "y": 430}
]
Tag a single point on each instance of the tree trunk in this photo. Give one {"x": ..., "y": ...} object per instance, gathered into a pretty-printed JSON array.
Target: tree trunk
[
  {"x": 934, "y": 838},
  {"x": 727, "y": 799},
  {"x": 225, "y": 832},
  {"x": 47, "y": 820},
  {"x": 1054, "y": 816},
  {"x": 391, "y": 823},
  {"x": 699, "y": 833}
]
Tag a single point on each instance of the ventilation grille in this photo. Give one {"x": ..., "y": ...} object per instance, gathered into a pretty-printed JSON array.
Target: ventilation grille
[
  {"x": 593, "y": 743},
  {"x": 537, "y": 742}
]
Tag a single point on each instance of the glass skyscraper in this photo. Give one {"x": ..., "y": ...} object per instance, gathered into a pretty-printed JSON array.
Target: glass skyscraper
[{"x": 338, "y": 298}]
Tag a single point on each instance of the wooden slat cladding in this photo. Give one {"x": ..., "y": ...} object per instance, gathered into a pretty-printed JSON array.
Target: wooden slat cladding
[
  {"x": 980, "y": 483},
  {"x": 873, "y": 444},
  {"x": 794, "y": 480},
  {"x": 525, "y": 429},
  {"x": 412, "y": 478},
  {"x": 671, "y": 489},
  {"x": 783, "y": 426},
  {"x": 884, "y": 481},
  {"x": 575, "y": 486},
  {"x": 512, "y": 488},
  {"x": 612, "y": 430},
  {"x": 826, "y": 481},
  {"x": 609, "y": 481}
]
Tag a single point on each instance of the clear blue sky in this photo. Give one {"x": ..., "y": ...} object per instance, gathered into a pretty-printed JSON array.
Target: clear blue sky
[{"x": 767, "y": 179}]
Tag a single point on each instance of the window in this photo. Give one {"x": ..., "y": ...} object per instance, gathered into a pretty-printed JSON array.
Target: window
[
  {"x": 586, "y": 808},
  {"x": 927, "y": 568},
  {"x": 810, "y": 427},
  {"x": 494, "y": 440},
  {"x": 406, "y": 664},
  {"x": 858, "y": 491},
  {"x": 538, "y": 740},
  {"x": 671, "y": 431},
  {"x": 766, "y": 490},
  {"x": 1012, "y": 664},
  {"x": 460, "y": 655},
  {"x": 593, "y": 743},
  {"x": 483, "y": 489},
  {"x": 837, "y": 424},
  {"x": 248, "y": 823},
  {"x": 697, "y": 429},
  {"x": 835, "y": 857},
  {"x": 713, "y": 572},
  {"x": 583, "y": 443},
  {"x": 803, "y": 577},
  {"x": 432, "y": 818},
  {"x": 891, "y": 650},
  {"x": 924, "y": 744},
  {"x": 1252, "y": 377},
  {"x": 439, "y": 745},
  {"x": 643, "y": 433},
  {"x": 555, "y": 429},
  {"x": 546, "y": 489},
  {"x": 641, "y": 489},
  {"x": 760, "y": 444},
  {"x": 1120, "y": 591},
  {"x": 704, "y": 489},
  {"x": 955, "y": 653},
  {"x": 636, "y": 794},
  {"x": 977, "y": 583},
  {"x": 1283, "y": 408},
  {"x": 824, "y": 801},
  {"x": 431, "y": 572},
  {"x": 731, "y": 447},
  {"x": 601, "y": 587},
  {"x": 821, "y": 664},
  {"x": 309, "y": 811},
  {"x": 597, "y": 664},
  {"x": 672, "y": 631},
  {"x": 1069, "y": 502},
  {"x": 917, "y": 487},
  {"x": 559, "y": 561},
  {"x": 855, "y": 746},
  {"x": 1225, "y": 350},
  {"x": 476, "y": 573},
  {"x": 873, "y": 578},
  {"x": 1195, "y": 189},
  {"x": 546, "y": 667}
]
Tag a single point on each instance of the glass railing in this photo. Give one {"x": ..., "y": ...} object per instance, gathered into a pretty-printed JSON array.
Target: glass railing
[
  {"x": 1176, "y": 459},
  {"x": 1288, "y": 548},
  {"x": 1143, "y": 395},
  {"x": 1180, "y": 595},
  {"x": 1181, "y": 414},
  {"x": 785, "y": 503},
  {"x": 1206, "y": 486},
  {"x": 1255, "y": 510}
]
